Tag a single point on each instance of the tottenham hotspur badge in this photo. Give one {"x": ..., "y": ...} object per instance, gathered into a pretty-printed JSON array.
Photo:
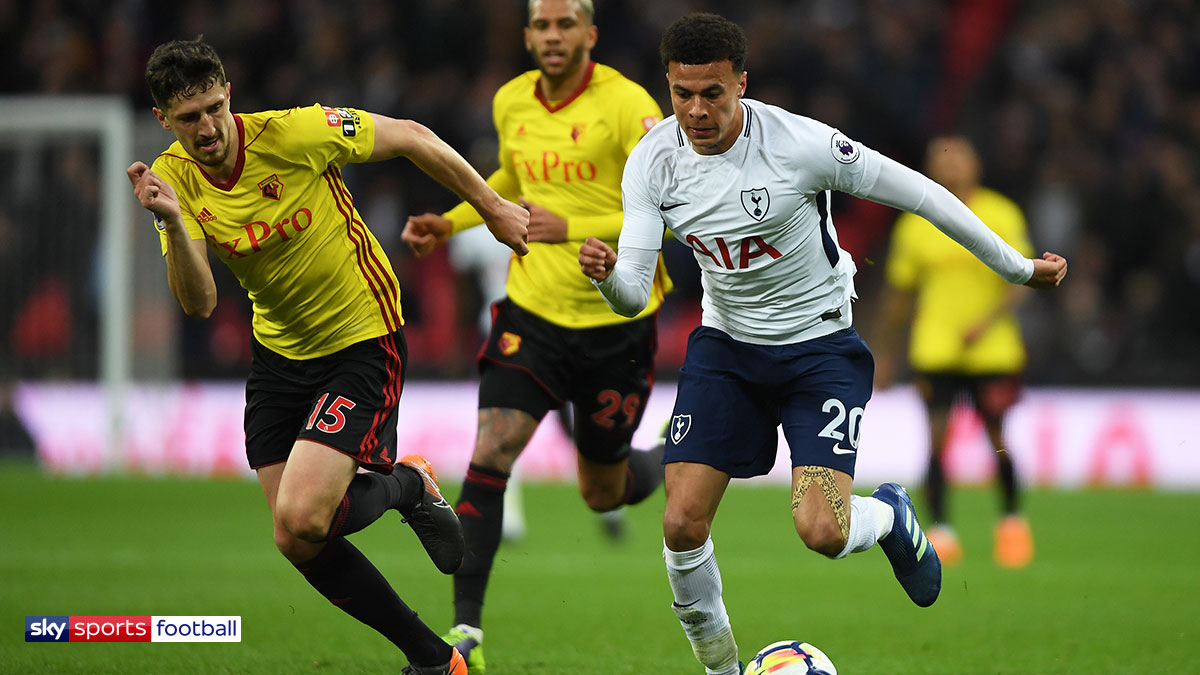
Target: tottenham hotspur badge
[
  {"x": 680, "y": 426},
  {"x": 756, "y": 202}
]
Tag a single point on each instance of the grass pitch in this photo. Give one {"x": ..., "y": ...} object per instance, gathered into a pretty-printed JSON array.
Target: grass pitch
[{"x": 1114, "y": 587}]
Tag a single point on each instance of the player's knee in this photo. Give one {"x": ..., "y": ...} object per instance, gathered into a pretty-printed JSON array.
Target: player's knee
[
  {"x": 497, "y": 453},
  {"x": 602, "y": 497},
  {"x": 683, "y": 532},
  {"x": 821, "y": 535},
  {"x": 303, "y": 523}
]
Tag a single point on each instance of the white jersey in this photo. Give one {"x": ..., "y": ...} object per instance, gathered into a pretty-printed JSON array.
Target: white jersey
[{"x": 757, "y": 218}]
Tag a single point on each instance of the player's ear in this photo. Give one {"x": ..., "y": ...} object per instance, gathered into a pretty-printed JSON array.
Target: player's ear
[
  {"x": 528, "y": 42},
  {"x": 162, "y": 119},
  {"x": 592, "y": 34},
  {"x": 742, "y": 85}
]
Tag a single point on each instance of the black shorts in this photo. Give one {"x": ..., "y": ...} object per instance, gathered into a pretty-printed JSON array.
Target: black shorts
[
  {"x": 346, "y": 400},
  {"x": 607, "y": 372},
  {"x": 990, "y": 394}
]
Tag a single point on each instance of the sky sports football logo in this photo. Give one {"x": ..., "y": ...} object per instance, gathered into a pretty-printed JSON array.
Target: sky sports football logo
[{"x": 133, "y": 629}]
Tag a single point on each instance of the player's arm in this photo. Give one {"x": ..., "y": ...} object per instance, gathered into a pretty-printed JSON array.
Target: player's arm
[
  {"x": 624, "y": 280},
  {"x": 507, "y": 221},
  {"x": 188, "y": 272},
  {"x": 900, "y": 187},
  {"x": 897, "y": 306}
]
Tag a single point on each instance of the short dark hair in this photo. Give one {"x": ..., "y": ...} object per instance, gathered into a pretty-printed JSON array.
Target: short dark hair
[
  {"x": 699, "y": 38},
  {"x": 182, "y": 68}
]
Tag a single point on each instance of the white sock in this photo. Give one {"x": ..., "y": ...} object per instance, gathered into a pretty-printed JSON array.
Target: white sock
[
  {"x": 696, "y": 584},
  {"x": 870, "y": 521}
]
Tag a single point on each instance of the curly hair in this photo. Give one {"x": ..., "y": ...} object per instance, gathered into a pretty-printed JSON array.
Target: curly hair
[
  {"x": 182, "y": 68},
  {"x": 699, "y": 38}
]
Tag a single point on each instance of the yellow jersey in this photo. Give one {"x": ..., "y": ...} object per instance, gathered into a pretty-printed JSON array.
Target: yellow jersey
[
  {"x": 954, "y": 291},
  {"x": 286, "y": 225},
  {"x": 568, "y": 157}
]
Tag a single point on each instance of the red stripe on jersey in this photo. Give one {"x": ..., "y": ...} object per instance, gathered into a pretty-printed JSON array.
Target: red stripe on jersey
[
  {"x": 355, "y": 226},
  {"x": 395, "y": 292},
  {"x": 368, "y": 273},
  {"x": 391, "y": 394},
  {"x": 587, "y": 79}
]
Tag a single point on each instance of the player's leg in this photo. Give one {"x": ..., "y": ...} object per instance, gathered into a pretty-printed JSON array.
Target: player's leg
[
  {"x": 334, "y": 566},
  {"x": 612, "y": 522},
  {"x": 311, "y": 485},
  {"x": 827, "y": 392},
  {"x": 694, "y": 492},
  {"x": 721, "y": 427},
  {"x": 610, "y": 387},
  {"x": 1013, "y": 546},
  {"x": 937, "y": 393},
  {"x": 521, "y": 380}
]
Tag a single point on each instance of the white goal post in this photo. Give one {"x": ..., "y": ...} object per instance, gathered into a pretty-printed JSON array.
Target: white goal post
[{"x": 108, "y": 119}]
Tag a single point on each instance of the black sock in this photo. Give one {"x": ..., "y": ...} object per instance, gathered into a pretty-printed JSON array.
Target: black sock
[
  {"x": 1008, "y": 482},
  {"x": 645, "y": 474},
  {"x": 480, "y": 508},
  {"x": 342, "y": 574},
  {"x": 369, "y": 495},
  {"x": 935, "y": 488}
]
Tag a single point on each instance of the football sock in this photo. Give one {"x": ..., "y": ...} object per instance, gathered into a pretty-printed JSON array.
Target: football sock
[
  {"x": 935, "y": 489},
  {"x": 480, "y": 508},
  {"x": 342, "y": 574},
  {"x": 645, "y": 474},
  {"x": 369, "y": 495},
  {"x": 696, "y": 585},
  {"x": 870, "y": 521},
  {"x": 1008, "y": 482}
]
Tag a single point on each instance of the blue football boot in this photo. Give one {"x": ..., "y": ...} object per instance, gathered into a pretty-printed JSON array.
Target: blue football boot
[{"x": 913, "y": 559}]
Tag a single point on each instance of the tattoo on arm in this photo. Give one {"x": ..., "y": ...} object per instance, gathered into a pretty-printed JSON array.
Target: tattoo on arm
[{"x": 823, "y": 477}]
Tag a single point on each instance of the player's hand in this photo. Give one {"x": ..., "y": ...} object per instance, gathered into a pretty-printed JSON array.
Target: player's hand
[
  {"x": 510, "y": 226},
  {"x": 544, "y": 225},
  {"x": 154, "y": 193},
  {"x": 426, "y": 232},
  {"x": 1048, "y": 272},
  {"x": 596, "y": 258}
]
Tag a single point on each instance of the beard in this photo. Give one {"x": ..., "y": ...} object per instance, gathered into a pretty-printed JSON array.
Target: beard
[{"x": 571, "y": 65}]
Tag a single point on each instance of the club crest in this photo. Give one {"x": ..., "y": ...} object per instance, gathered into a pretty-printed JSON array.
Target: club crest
[
  {"x": 680, "y": 426},
  {"x": 272, "y": 187},
  {"x": 509, "y": 343},
  {"x": 756, "y": 202}
]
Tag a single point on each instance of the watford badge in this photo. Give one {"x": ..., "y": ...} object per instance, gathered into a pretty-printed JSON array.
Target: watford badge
[
  {"x": 272, "y": 187},
  {"x": 509, "y": 343}
]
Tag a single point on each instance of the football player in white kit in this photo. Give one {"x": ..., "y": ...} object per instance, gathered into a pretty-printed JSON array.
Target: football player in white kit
[{"x": 746, "y": 185}]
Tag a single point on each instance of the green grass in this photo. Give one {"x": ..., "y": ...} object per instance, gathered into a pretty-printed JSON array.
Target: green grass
[{"x": 1114, "y": 588}]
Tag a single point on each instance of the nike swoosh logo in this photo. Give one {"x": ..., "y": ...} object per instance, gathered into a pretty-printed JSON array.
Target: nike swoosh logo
[
  {"x": 667, "y": 207},
  {"x": 687, "y": 605},
  {"x": 839, "y": 450},
  {"x": 441, "y": 503}
]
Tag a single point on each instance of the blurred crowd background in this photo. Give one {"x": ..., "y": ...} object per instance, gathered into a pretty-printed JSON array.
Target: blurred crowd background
[{"x": 1086, "y": 112}]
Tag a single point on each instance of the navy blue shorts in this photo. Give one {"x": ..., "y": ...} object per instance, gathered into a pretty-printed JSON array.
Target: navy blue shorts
[{"x": 733, "y": 396}]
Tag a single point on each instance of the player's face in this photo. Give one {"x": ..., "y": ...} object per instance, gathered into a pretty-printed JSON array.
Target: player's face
[
  {"x": 705, "y": 100},
  {"x": 559, "y": 37},
  {"x": 203, "y": 124},
  {"x": 951, "y": 161}
]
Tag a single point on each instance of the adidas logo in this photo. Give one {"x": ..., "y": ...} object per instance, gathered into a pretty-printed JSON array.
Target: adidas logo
[
  {"x": 919, "y": 541},
  {"x": 205, "y": 216}
]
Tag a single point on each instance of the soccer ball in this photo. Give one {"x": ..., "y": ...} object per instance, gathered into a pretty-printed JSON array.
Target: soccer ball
[{"x": 790, "y": 657}]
